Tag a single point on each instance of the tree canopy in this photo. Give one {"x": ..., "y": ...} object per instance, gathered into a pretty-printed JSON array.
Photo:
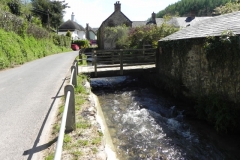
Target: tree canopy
[
  {"x": 227, "y": 8},
  {"x": 198, "y": 7},
  {"x": 55, "y": 9}
]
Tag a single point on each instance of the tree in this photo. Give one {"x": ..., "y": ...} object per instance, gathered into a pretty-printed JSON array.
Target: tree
[
  {"x": 228, "y": 8},
  {"x": 69, "y": 34},
  {"x": 117, "y": 37},
  {"x": 184, "y": 7},
  {"x": 15, "y": 7},
  {"x": 150, "y": 34},
  {"x": 53, "y": 9}
]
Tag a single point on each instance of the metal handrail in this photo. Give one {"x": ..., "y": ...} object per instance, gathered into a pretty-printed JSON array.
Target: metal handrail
[
  {"x": 71, "y": 79},
  {"x": 68, "y": 118},
  {"x": 58, "y": 153}
]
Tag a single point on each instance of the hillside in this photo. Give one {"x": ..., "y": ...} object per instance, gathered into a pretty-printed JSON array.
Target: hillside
[
  {"x": 197, "y": 7},
  {"x": 22, "y": 41}
]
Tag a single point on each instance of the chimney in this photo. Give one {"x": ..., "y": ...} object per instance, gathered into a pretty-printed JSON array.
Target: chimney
[
  {"x": 87, "y": 32},
  {"x": 117, "y": 6},
  {"x": 154, "y": 18},
  {"x": 72, "y": 16}
]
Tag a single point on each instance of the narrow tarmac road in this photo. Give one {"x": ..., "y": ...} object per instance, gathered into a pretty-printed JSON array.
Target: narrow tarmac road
[{"x": 28, "y": 97}]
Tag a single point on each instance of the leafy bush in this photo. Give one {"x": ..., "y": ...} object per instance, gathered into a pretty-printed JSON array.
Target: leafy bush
[
  {"x": 117, "y": 36},
  {"x": 217, "y": 111},
  {"x": 150, "y": 34},
  {"x": 15, "y": 7},
  {"x": 61, "y": 40},
  {"x": 69, "y": 34},
  {"x": 82, "y": 43},
  {"x": 12, "y": 23}
]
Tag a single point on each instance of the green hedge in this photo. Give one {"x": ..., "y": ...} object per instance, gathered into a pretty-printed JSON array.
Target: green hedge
[
  {"x": 61, "y": 40},
  {"x": 82, "y": 43}
]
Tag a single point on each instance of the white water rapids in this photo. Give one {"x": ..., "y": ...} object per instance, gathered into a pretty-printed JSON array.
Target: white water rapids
[{"x": 144, "y": 127}]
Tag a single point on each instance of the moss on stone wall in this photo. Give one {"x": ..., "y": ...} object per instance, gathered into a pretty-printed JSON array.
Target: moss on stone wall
[{"x": 207, "y": 70}]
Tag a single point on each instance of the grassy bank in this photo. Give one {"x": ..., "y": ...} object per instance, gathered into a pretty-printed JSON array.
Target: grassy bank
[
  {"x": 16, "y": 50},
  {"x": 83, "y": 143}
]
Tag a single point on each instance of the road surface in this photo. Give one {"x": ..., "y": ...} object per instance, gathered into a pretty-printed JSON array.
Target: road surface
[{"x": 29, "y": 96}]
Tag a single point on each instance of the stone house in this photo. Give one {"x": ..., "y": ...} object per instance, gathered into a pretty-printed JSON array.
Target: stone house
[
  {"x": 186, "y": 67},
  {"x": 115, "y": 19}
]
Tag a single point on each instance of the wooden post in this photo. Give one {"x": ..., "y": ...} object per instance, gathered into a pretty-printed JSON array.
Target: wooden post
[
  {"x": 112, "y": 54},
  {"x": 95, "y": 65},
  {"x": 71, "y": 121},
  {"x": 121, "y": 62},
  {"x": 93, "y": 53}
]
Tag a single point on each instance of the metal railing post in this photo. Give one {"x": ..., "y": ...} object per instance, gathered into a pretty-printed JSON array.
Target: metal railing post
[
  {"x": 70, "y": 122},
  {"x": 74, "y": 76}
]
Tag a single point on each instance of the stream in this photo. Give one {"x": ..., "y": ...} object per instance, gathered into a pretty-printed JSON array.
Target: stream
[{"x": 146, "y": 125}]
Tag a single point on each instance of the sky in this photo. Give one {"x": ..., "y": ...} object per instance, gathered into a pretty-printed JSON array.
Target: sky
[{"x": 94, "y": 12}]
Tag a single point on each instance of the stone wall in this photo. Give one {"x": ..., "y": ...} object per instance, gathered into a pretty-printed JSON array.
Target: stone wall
[{"x": 185, "y": 68}]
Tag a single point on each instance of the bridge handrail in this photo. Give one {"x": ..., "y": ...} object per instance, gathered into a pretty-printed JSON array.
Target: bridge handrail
[
  {"x": 133, "y": 57},
  {"x": 68, "y": 122},
  {"x": 124, "y": 50}
]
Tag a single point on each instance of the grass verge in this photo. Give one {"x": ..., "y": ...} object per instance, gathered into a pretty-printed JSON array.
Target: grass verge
[{"x": 85, "y": 142}]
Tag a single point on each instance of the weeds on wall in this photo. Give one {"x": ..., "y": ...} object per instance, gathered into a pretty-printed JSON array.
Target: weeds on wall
[
  {"x": 223, "y": 55},
  {"x": 218, "y": 111}
]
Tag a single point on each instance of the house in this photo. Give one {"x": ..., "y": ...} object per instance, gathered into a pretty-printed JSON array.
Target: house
[
  {"x": 198, "y": 65},
  {"x": 78, "y": 32},
  {"x": 115, "y": 19},
  {"x": 91, "y": 33},
  {"x": 118, "y": 18},
  {"x": 179, "y": 22}
]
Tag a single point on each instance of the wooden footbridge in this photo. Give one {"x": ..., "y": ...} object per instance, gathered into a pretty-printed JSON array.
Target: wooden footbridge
[{"x": 119, "y": 62}]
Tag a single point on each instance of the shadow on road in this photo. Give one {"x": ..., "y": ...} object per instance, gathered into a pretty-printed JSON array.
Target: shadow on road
[{"x": 36, "y": 148}]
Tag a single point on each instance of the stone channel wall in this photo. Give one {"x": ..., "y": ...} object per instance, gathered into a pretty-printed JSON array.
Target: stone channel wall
[{"x": 184, "y": 68}]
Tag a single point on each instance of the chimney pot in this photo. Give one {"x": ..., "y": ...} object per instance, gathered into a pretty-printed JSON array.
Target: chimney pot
[
  {"x": 117, "y": 6},
  {"x": 72, "y": 16}
]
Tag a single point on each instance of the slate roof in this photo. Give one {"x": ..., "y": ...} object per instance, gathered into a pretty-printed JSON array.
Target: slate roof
[
  {"x": 159, "y": 21},
  {"x": 182, "y": 22},
  {"x": 70, "y": 25},
  {"x": 213, "y": 26},
  {"x": 138, "y": 23},
  {"x": 95, "y": 30},
  {"x": 113, "y": 14},
  {"x": 92, "y": 29}
]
